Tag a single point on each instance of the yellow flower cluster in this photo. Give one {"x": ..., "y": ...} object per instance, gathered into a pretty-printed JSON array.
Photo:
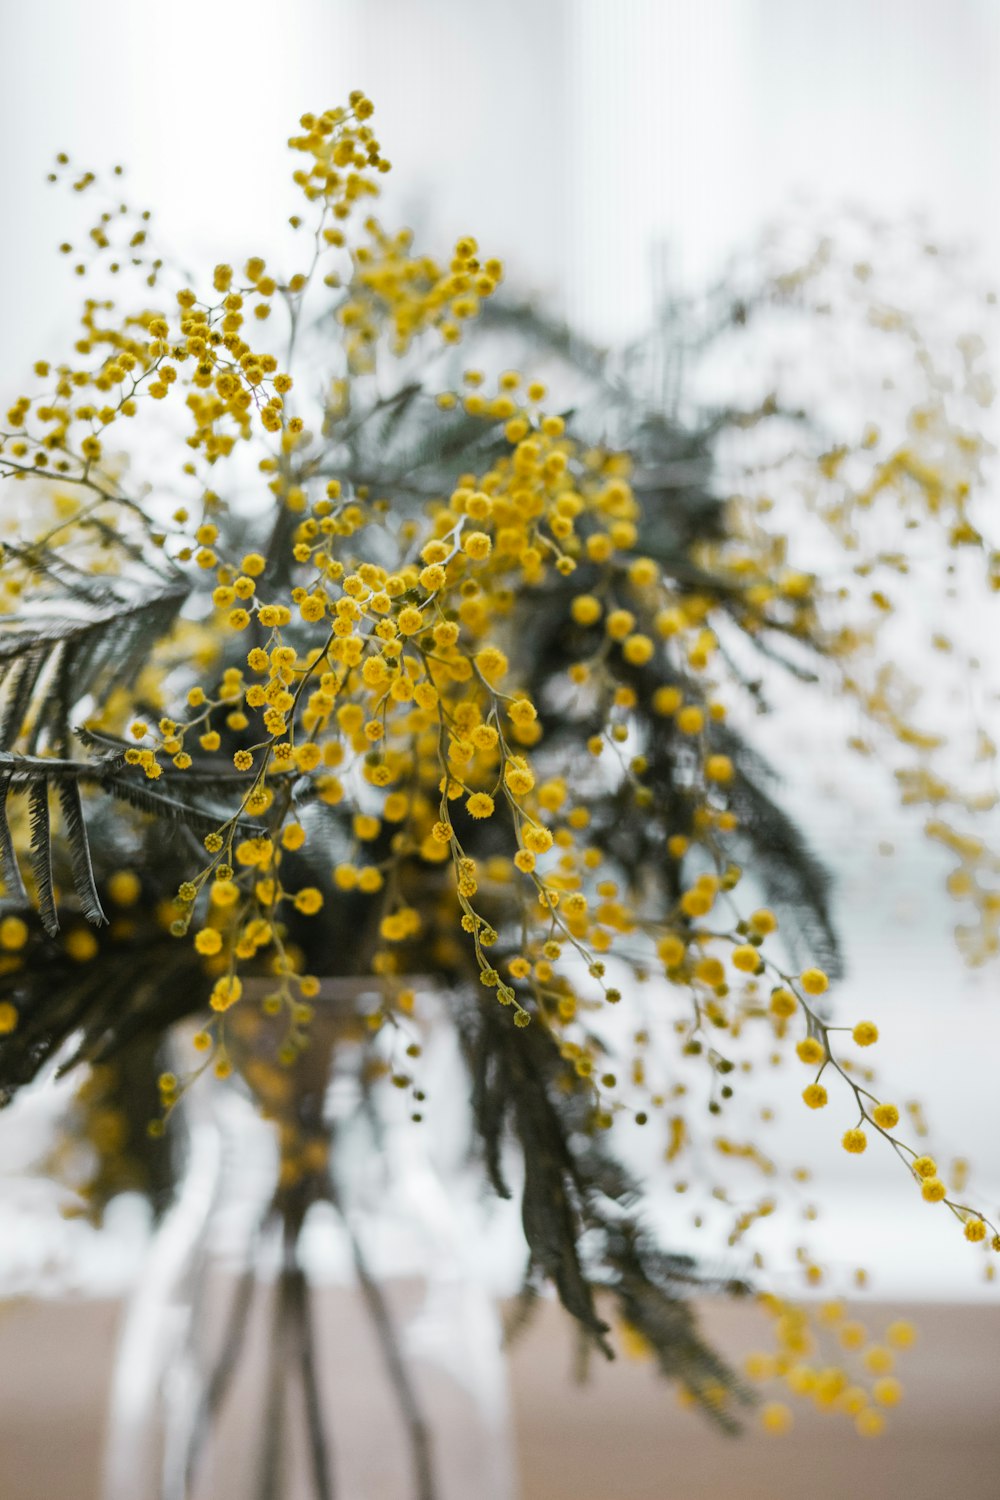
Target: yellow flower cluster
[
  {"x": 826, "y": 1358},
  {"x": 378, "y": 663},
  {"x": 907, "y": 502}
]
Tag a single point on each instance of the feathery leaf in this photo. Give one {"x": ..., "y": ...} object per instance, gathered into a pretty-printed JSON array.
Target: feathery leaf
[
  {"x": 49, "y": 666},
  {"x": 10, "y": 870},
  {"x": 41, "y": 853},
  {"x": 75, "y": 830}
]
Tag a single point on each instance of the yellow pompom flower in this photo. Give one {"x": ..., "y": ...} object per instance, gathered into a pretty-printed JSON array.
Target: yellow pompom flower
[
  {"x": 783, "y": 1004},
  {"x": 308, "y": 900},
  {"x": 537, "y": 839},
  {"x": 81, "y": 945},
  {"x": 814, "y": 981},
  {"x": 854, "y": 1141},
  {"x": 853, "y": 1335},
  {"x": 671, "y": 950},
  {"x": 667, "y": 700},
  {"x": 208, "y": 940},
  {"x": 697, "y": 902},
  {"x": 879, "y": 1360},
  {"x": 312, "y": 608},
  {"x": 886, "y": 1115},
  {"x": 776, "y": 1418},
  {"x": 585, "y": 609},
  {"x": 477, "y": 545},
  {"x": 901, "y": 1333},
  {"x": 763, "y": 921},
  {"x": 619, "y": 623},
  {"x": 745, "y": 957},
  {"x": 375, "y": 671},
  {"x": 13, "y": 934},
  {"x": 522, "y": 712},
  {"x": 975, "y": 1230},
  {"x": 492, "y": 663},
  {"x": 810, "y": 1050},
  {"x": 226, "y": 991},
  {"x": 637, "y": 650},
  {"x": 710, "y": 971},
  {"x": 815, "y": 1095},
  {"x": 518, "y": 776},
  {"x": 719, "y": 768},
  {"x": 933, "y": 1190},
  {"x": 124, "y": 888},
  {"x": 690, "y": 720},
  {"x": 887, "y": 1391},
  {"x": 409, "y": 620},
  {"x": 479, "y": 805},
  {"x": 865, "y": 1033}
]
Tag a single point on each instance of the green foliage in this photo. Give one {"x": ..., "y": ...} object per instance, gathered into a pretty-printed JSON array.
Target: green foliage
[
  {"x": 578, "y": 1209},
  {"x": 50, "y": 666},
  {"x": 578, "y": 1205}
]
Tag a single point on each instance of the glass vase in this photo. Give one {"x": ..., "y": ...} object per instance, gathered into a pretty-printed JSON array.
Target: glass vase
[{"x": 309, "y": 1324}]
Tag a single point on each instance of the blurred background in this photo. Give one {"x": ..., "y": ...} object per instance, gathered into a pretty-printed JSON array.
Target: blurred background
[{"x": 607, "y": 152}]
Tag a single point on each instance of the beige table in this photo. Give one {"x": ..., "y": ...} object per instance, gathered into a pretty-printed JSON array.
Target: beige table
[{"x": 622, "y": 1437}]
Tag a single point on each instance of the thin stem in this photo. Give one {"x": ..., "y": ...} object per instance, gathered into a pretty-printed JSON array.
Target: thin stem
[
  {"x": 319, "y": 1446},
  {"x": 417, "y": 1428},
  {"x": 273, "y": 1444}
]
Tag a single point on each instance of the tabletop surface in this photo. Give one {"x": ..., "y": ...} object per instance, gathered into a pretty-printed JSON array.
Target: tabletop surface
[{"x": 622, "y": 1436}]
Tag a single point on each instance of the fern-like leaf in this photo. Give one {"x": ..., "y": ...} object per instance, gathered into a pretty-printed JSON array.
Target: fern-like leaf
[
  {"x": 38, "y": 775},
  {"x": 41, "y": 854},
  {"x": 10, "y": 870},
  {"x": 141, "y": 796},
  {"x": 19, "y": 681},
  {"x": 75, "y": 830},
  {"x": 48, "y": 666}
]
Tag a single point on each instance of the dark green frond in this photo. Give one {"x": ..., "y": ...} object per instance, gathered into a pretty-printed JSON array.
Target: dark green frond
[
  {"x": 578, "y": 1209},
  {"x": 66, "y": 579},
  {"x": 130, "y": 992},
  {"x": 75, "y": 833},
  {"x": 794, "y": 880},
  {"x": 50, "y": 666},
  {"x": 530, "y": 324},
  {"x": 143, "y": 796},
  {"x": 143, "y": 1002},
  {"x": 648, "y": 1301},
  {"x": 21, "y": 663},
  {"x": 516, "y": 1095},
  {"x": 10, "y": 870},
  {"x": 41, "y": 853},
  {"x": 39, "y": 775}
]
